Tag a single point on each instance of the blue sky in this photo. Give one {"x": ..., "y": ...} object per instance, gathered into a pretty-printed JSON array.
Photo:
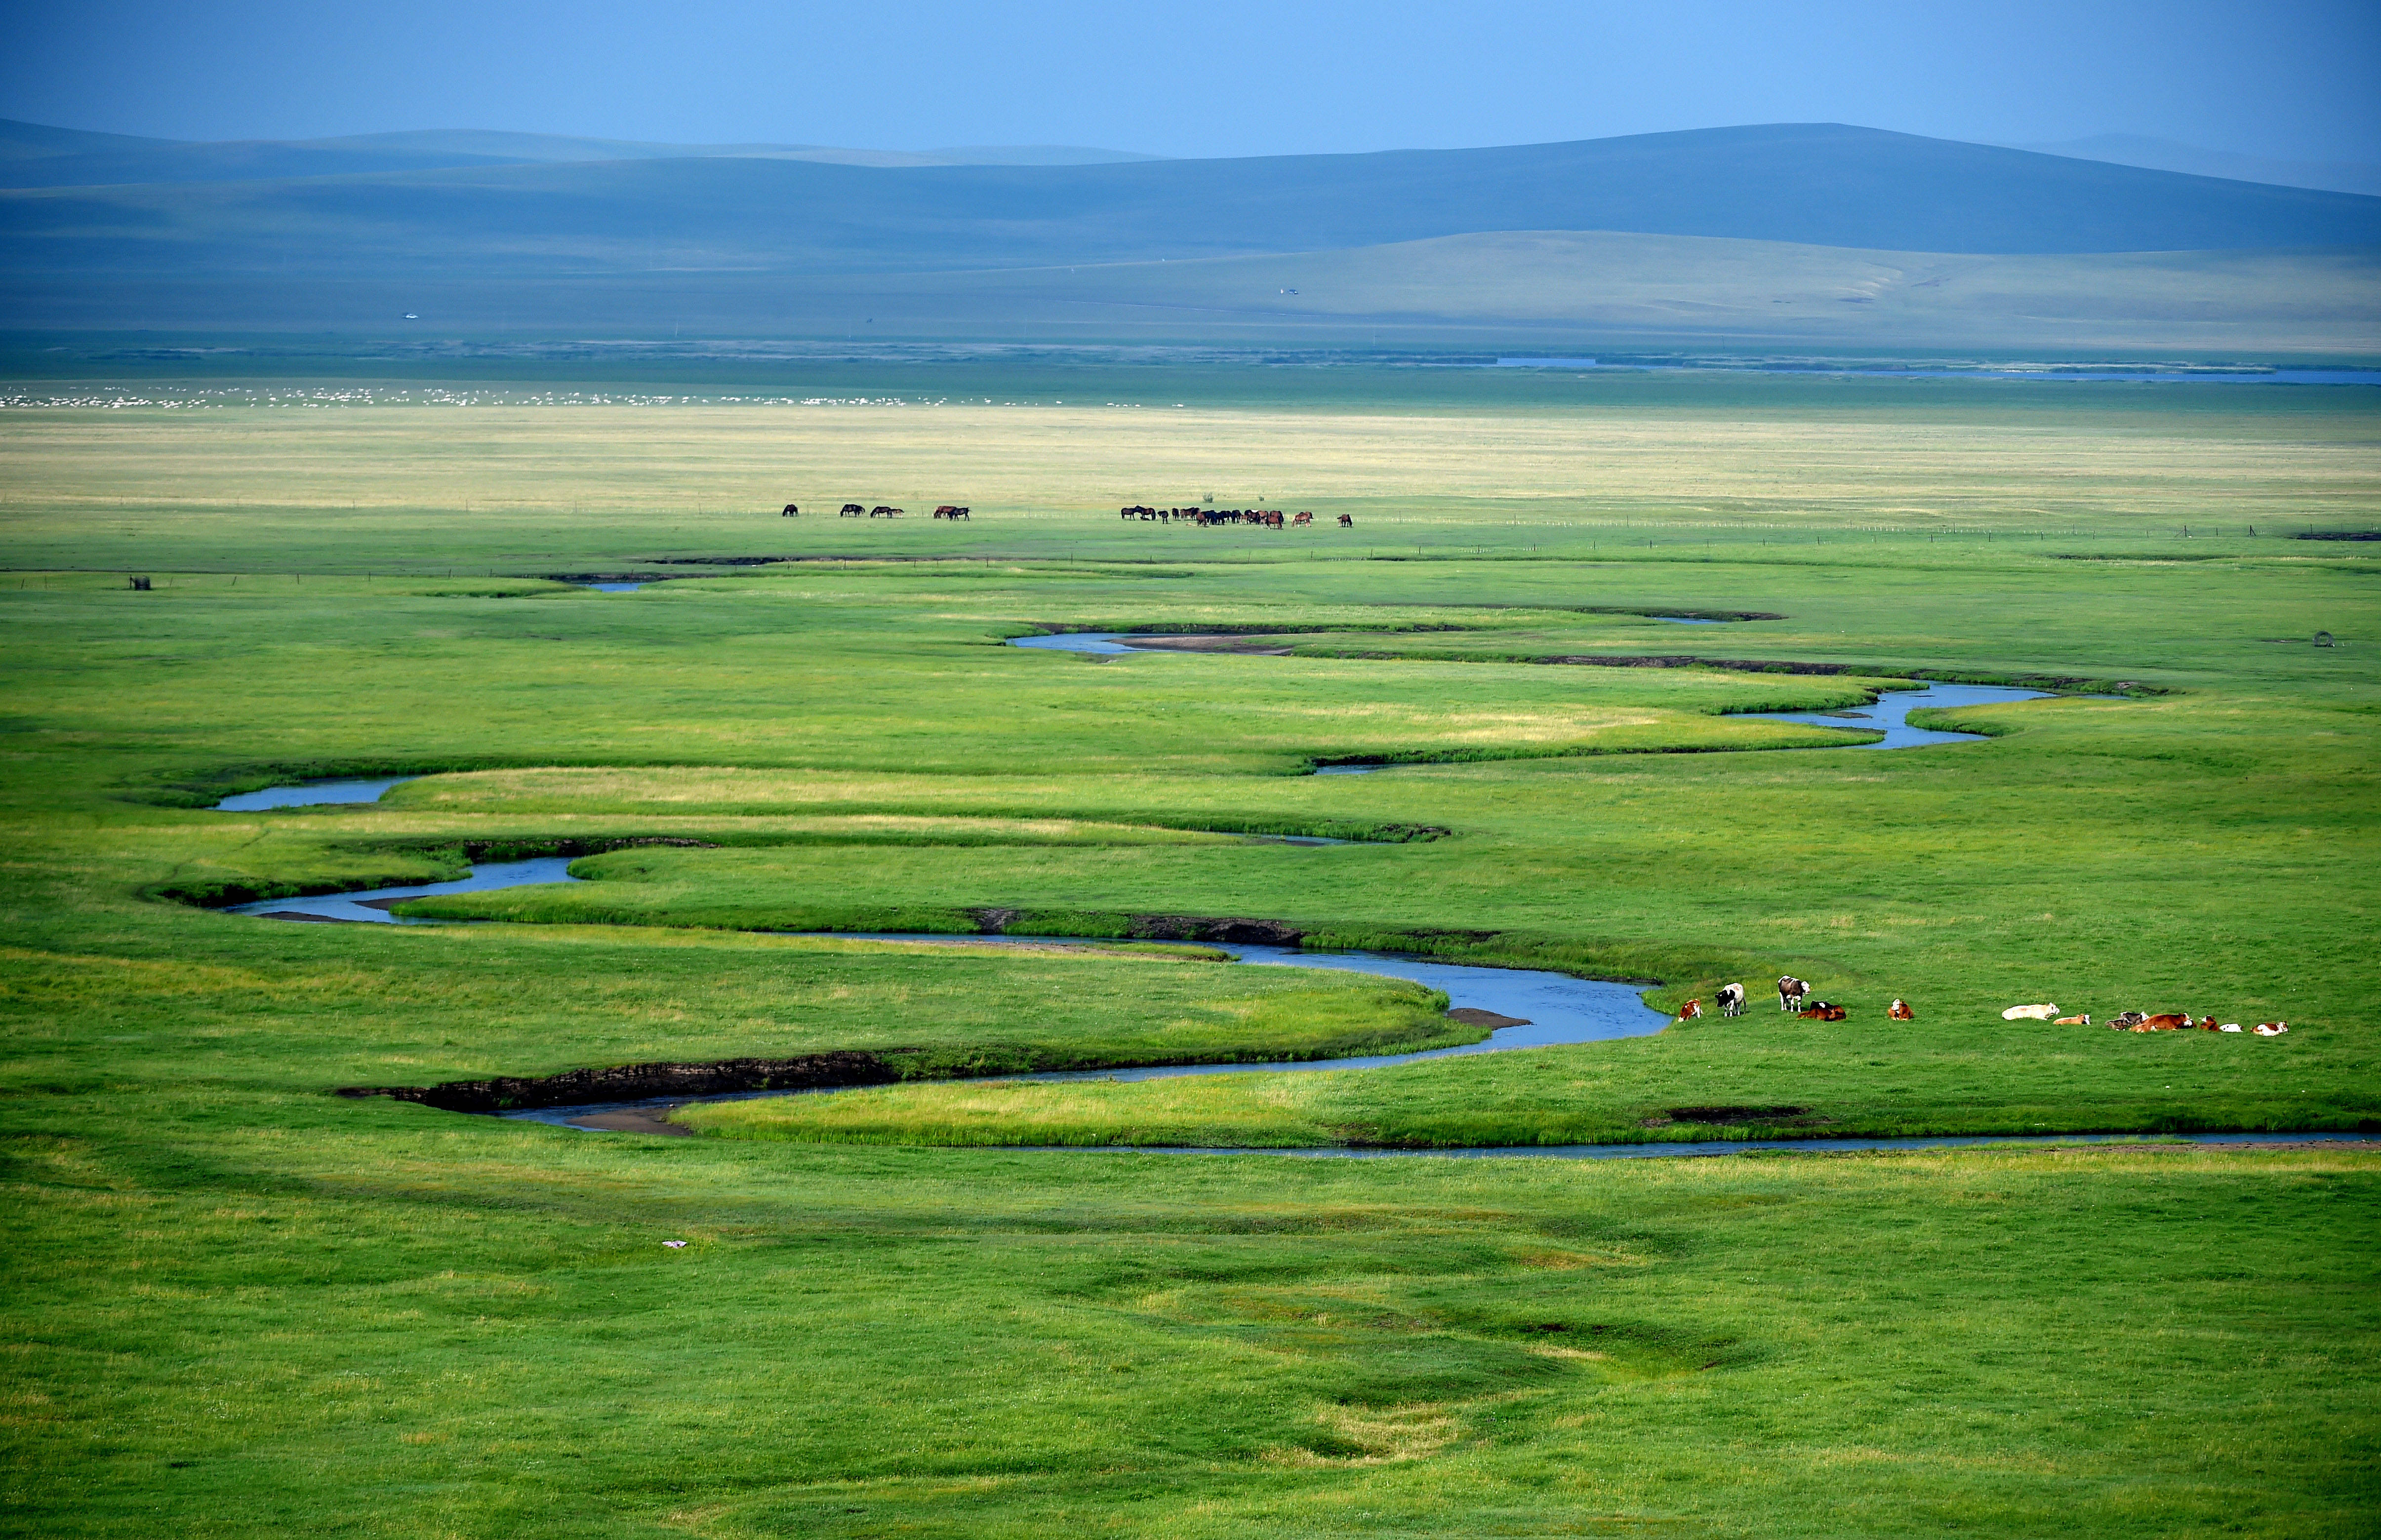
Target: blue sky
[{"x": 1214, "y": 78}]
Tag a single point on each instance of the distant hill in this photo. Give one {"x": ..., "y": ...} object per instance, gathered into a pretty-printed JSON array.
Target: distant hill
[
  {"x": 757, "y": 236},
  {"x": 35, "y": 156},
  {"x": 2161, "y": 154}
]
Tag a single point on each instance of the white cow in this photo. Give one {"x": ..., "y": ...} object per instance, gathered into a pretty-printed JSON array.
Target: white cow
[{"x": 2029, "y": 1013}]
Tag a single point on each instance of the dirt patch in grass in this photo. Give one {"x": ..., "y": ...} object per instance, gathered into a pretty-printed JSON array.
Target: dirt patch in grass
[
  {"x": 645, "y": 1082},
  {"x": 1471, "y": 1016}
]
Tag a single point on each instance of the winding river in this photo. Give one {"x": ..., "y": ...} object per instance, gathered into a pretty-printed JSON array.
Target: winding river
[
  {"x": 1888, "y": 714},
  {"x": 1525, "y": 1008}
]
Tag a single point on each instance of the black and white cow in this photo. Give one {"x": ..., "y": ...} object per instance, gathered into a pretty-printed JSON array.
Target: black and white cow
[{"x": 1731, "y": 1000}]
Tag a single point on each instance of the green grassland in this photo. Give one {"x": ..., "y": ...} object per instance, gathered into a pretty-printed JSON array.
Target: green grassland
[{"x": 239, "y": 1304}]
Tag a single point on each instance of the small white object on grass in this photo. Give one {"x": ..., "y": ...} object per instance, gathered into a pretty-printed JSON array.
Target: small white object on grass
[{"x": 673, "y": 1244}]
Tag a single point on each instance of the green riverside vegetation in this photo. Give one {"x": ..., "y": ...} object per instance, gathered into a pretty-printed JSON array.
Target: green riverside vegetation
[{"x": 241, "y": 1304}]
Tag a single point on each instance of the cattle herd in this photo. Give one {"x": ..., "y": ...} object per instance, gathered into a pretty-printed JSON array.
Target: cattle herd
[
  {"x": 1793, "y": 997},
  {"x": 1255, "y": 518}
]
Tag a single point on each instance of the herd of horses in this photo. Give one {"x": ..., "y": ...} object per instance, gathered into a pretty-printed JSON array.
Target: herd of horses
[
  {"x": 853, "y": 510},
  {"x": 1261, "y": 518}
]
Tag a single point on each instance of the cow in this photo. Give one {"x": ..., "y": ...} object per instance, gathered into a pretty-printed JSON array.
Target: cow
[
  {"x": 2125, "y": 1020},
  {"x": 2168, "y": 1021},
  {"x": 1347, "y": 521},
  {"x": 881, "y": 511},
  {"x": 2270, "y": 1030},
  {"x": 2207, "y": 1023},
  {"x": 852, "y": 510},
  {"x": 1823, "y": 1011},
  {"x": 948, "y": 511},
  {"x": 1691, "y": 1010},
  {"x": 2029, "y": 1013},
  {"x": 1790, "y": 991},
  {"x": 2083, "y": 1020},
  {"x": 2229, "y": 1027},
  {"x": 790, "y": 511},
  {"x": 1731, "y": 1000},
  {"x": 1899, "y": 1010}
]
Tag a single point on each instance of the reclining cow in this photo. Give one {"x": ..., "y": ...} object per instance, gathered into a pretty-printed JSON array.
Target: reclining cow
[
  {"x": 1823, "y": 1011},
  {"x": 1899, "y": 1010}
]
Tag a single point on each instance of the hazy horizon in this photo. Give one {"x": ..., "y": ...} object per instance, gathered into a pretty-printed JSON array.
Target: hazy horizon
[{"x": 1210, "y": 82}]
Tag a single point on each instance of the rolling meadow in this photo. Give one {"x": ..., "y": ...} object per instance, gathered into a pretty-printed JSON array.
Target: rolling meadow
[{"x": 241, "y": 1304}]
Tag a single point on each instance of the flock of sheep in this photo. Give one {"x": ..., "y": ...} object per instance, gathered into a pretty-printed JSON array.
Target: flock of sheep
[{"x": 1792, "y": 996}]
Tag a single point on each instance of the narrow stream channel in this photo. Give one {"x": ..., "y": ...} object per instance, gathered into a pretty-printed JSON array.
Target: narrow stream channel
[{"x": 1888, "y": 714}]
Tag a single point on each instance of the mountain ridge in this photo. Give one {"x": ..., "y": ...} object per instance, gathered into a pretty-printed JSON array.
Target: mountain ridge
[{"x": 616, "y": 233}]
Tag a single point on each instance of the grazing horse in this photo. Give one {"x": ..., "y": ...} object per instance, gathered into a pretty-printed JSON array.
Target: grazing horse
[
  {"x": 881, "y": 511},
  {"x": 1731, "y": 1000},
  {"x": 1303, "y": 518},
  {"x": 1790, "y": 991},
  {"x": 1899, "y": 1010},
  {"x": 791, "y": 511},
  {"x": 1691, "y": 1010},
  {"x": 1347, "y": 521},
  {"x": 852, "y": 510},
  {"x": 949, "y": 511}
]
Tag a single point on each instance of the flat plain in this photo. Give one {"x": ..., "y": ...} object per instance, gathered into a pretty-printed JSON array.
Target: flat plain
[{"x": 239, "y": 1304}]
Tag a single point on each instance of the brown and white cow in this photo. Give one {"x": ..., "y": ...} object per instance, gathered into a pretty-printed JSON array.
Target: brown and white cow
[
  {"x": 1899, "y": 1010},
  {"x": 1790, "y": 991},
  {"x": 1691, "y": 1010},
  {"x": 2270, "y": 1030},
  {"x": 2083, "y": 1020},
  {"x": 1823, "y": 1011}
]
